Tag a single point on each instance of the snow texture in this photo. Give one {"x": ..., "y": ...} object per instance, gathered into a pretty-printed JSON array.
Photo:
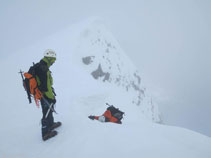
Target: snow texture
[{"x": 91, "y": 69}]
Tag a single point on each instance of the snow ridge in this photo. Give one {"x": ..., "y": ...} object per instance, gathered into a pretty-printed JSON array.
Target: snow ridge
[{"x": 107, "y": 62}]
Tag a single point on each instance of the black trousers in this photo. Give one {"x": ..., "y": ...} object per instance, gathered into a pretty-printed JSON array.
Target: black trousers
[{"x": 49, "y": 120}]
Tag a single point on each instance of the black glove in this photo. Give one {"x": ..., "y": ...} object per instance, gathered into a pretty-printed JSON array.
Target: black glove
[
  {"x": 54, "y": 101},
  {"x": 91, "y": 117},
  {"x": 51, "y": 100}
]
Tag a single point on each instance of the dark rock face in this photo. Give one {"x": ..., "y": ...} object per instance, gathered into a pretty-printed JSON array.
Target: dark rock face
[
  {"x": 99, "y": 73},
  {"x": 88, "y": 60},
  {"x": 111, "y": 66},
  {"x": 106, "y": 62},
  {"x": 130, "y": 83}
]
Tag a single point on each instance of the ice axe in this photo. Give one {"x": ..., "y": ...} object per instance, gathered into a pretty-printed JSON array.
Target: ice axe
[
  {"x": 24, "y": 85},
  {"x": 50, "y": 107},
  {"x": 108, "y": 104}
]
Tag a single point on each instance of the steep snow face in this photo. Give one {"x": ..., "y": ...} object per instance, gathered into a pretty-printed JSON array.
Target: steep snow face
[{"x": 105, "y": 61}]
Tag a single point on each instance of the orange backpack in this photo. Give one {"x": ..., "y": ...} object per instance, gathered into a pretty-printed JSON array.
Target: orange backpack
[{"x": 30, "y": 84}]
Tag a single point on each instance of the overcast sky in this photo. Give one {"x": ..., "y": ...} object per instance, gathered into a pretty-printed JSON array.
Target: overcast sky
[{"x": 169, "y": 41}]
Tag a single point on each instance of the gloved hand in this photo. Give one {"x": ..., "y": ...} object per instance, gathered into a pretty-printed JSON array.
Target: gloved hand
[
  {"x": 91, "y": 117},
  {"x": 54, "y": 101},
  {"x": 51, "y": 100}
]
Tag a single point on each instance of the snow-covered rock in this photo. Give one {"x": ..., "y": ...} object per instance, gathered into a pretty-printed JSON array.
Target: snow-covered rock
[{"x": 106, "y": 61}]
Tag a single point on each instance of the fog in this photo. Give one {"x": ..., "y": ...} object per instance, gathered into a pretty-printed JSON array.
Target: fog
[{"x": 169, "y": 42}]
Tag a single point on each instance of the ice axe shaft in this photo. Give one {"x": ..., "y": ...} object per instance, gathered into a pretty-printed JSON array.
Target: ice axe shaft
[
  {"x": 50, "y": 107},
  {"x": 108, "y": 104},
  {"x": 25, "y": 88}
]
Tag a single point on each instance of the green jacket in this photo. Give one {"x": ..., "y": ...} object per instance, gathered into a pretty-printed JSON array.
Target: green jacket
[{"x": 44, "y": 78}]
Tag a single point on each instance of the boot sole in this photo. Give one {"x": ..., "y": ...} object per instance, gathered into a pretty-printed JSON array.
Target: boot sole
[
  {"x": 49, "y": 137},
  {"x": 56, "y": 127}
]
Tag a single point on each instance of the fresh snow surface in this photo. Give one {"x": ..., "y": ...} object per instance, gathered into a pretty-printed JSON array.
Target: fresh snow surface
[{"x": 80, "y": 95}]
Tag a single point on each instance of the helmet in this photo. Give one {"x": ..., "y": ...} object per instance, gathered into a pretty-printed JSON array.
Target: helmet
[
  {"x": 101, "y": 119},
  {"x": 50, "y": 53}
]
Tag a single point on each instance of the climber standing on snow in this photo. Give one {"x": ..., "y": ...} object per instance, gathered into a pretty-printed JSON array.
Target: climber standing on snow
[{"x": 45, "y": 83}]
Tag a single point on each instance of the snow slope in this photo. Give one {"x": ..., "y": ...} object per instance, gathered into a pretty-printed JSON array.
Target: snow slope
[{"x": 79, "y": 94}]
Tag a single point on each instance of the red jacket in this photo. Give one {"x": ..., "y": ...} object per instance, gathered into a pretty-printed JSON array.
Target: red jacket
[{"x": 109, "y": 117}]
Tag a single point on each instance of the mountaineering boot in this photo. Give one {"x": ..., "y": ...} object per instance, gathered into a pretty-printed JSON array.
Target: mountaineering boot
[
  {"x": 55, "y": 125},
  {"x": 49, "y": 135}
]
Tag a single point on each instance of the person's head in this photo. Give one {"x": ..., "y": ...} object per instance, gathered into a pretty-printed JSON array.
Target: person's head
[{"x": 50, "y": 56}]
